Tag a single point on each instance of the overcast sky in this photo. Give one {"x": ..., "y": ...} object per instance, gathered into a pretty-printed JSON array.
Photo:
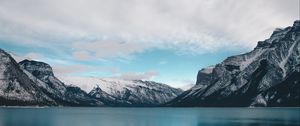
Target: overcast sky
[{"x": 161, "y": 40}]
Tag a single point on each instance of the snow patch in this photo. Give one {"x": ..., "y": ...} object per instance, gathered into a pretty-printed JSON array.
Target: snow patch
[
  {"x": 284, "y": 61},
  {"x": 248, "y": 61},
  {"x": 207, "y": 70},
  {"x": 259, "y": 101}
]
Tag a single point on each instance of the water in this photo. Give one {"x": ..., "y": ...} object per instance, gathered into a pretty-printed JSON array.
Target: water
[{"x": 149, "y": 116}]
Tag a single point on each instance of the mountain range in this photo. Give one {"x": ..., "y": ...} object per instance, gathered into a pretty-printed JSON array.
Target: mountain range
[
  {"x": 119, "y": 92},
  {"x": 33, "y": 83},
  {"x": 267, "y": 76}
]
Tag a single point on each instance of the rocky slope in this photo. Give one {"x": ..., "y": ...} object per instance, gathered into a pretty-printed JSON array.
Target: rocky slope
[
  {"x": 118, "y": 92},
  {"x": 266, "y": 76},
  {"x": 17, "y": 88},
  {"x": 34, "y": 83},
  {"x": 64, "y": 95}
]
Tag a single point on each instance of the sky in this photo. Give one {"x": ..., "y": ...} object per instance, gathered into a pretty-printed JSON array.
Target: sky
[{"x": 165, "y": 41}]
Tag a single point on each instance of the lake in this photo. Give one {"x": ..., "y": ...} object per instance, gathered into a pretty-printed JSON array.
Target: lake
[{"x": 81, "y": 116}]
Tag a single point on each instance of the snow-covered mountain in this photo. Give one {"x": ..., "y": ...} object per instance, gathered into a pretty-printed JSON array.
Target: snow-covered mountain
[
  {"x": 17, "y": 87},
  {"x": 186, "y": 87},
  {"x": 43, "y": 74},
  {"x": 266, "y": 76},
  {"x": 33, "y": 83},
  {"x": 118, "y": 92}
]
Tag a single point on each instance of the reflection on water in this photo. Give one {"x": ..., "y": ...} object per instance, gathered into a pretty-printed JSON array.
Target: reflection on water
[{"x": 149, "y": 116}]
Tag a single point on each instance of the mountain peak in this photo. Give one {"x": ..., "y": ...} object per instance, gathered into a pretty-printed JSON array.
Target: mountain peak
[
  {"x": 204, "y": 75},
  {"x": 247, "y": 79},
  {"x": 97, "y": 88},
  {"x": 37, "y": 68},
  {"x": 296, "y": 23},
  {"x": 279, "y": 34}
]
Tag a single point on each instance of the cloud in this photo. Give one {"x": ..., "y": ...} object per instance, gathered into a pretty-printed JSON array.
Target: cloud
[
  {"x": 81, "y": 55},
  {"x": 133, "y": 26},
  {"x": 17, "y": 57},
  {"x": 107, "y": 49},
  {"x": 30, "y": 56},
  {"x": 33, "y": 56},
  {"x": 163, "y": 62},
  {"x": 138, "y": 76},
  {"x": 70, "y": 70}
]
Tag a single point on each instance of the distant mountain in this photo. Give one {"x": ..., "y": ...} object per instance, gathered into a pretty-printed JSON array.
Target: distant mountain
[
  {"x": 266, "y": 76},
  {"x": 118, "y": 92},
  {"x": 186, "y": 87},
  {"x": 33, "y": 83}
]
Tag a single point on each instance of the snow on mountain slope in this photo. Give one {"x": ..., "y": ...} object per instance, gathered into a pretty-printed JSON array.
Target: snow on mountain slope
[
  {"x": 17, "y": 88},
  {"x": 43, "y": 73},
  {"x": 239, "y": 80},
  {"x": 34, "y": 83},
  {"x": 186, "y": 87},
  {"x": 135, "y": 93},
  {"x": 64, "y": 95}
]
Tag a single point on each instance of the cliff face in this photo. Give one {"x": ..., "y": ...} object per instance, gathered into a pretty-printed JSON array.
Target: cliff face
[
  {"x": 33, "y": 83},
  {"x": 262, "y": 77},
  {"x": 17, "y": 88},
  {"x": 63, "y": 94}
]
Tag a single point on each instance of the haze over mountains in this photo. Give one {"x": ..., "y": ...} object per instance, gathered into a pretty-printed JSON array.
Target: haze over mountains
[{"x": 267, "y": 76}]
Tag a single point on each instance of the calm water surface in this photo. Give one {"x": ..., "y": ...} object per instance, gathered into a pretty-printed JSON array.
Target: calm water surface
[{"x": 149, "y": 116}]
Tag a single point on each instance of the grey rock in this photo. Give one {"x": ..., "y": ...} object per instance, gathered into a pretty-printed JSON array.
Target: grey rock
[{"x": 250, "y": 79}]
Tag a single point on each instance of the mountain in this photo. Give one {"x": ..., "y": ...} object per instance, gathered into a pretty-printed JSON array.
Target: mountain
[
  {"x": 33, "y": 83},
  {"x": 266, "y": 76},
  {"x": 17, "y": 88},
  {"x": 118, "y": 92},
  {"x": 186, "y": 87},
  {"x": 64, "y": 95}
]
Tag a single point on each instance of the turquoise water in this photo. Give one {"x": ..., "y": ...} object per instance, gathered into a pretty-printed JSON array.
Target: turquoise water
[{"x": 149, "y": 116}]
